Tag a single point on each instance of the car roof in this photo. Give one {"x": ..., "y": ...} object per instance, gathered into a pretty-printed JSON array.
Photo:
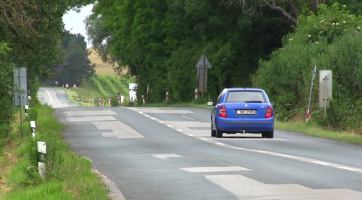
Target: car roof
[{"x": 245, "y": 89}]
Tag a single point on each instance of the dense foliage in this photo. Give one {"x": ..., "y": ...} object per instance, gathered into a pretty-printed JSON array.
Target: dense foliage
[
  {"x": 155, "y": 38},
  {"x": 158, "y": 39},
  {"x": 6, "y": 99},
  {"x": 328, "y": 39},
  {"x": 30, "y": 32},
  {"x": 76, "y": 66}
]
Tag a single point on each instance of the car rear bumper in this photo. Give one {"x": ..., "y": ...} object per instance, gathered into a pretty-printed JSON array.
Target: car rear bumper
[{"x": 247, "y": 125}]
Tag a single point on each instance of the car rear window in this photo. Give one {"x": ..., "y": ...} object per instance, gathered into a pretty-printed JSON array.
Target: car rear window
[{"x": 245, "y": 96}]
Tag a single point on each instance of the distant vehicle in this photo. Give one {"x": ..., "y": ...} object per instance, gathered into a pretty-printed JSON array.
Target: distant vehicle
[
  {"x": 132, "y": 92},
  {"x": 242, "y": 110}
]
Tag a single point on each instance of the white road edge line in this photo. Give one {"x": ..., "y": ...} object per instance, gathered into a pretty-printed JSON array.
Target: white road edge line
[
  {"x": 307, "y": 160},
  {"x": 50, "y": 97},
  {"x": 170, "y": 126}
]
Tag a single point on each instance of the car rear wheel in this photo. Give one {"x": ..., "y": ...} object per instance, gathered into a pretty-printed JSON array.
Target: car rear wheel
[
  {"x": 218, "y": 132},
  {"x": 268, "y": 134},
  {"x": 213, "y": 132}
]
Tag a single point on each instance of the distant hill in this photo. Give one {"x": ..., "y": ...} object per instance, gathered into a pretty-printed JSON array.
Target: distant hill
[{"x": 101, "y": 67}]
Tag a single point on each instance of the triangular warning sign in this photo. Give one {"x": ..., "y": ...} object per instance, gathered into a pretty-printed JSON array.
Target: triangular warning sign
[{"x": 203, "y": 62}]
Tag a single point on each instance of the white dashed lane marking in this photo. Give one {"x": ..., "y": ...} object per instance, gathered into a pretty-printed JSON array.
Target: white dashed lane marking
[{"x": 211, "y": 140}]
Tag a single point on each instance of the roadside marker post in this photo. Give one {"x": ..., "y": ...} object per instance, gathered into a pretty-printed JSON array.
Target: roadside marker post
[
  {"x": 33, "y": 128},
  {"x": 196, "y": 93},
  {"x": 26, "y": 111},
  {"x": 109, "y": 102},
  {"x": 143, "y": 99},
  {"x": 166, "y": 97},
  {"x": 42, "y": 150}
]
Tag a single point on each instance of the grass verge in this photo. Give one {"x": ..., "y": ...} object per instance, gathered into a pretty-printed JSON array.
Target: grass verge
[{"x": 68, "y": 175}]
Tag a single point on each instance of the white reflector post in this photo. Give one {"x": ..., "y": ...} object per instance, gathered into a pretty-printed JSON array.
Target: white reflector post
[
  {"x": 41, "y": 169},
  {"x": 42, "y": 147},
  {"x": 33, "y": 127}
]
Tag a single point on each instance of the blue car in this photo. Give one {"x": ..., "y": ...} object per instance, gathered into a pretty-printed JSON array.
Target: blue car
[{"x": 242, "y": 110}]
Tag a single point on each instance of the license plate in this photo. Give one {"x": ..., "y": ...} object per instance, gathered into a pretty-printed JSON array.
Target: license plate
[{"x": 245, "y": 112}]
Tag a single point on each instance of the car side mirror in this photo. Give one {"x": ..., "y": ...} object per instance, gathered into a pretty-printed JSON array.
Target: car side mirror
[{"x": 210, "y": 103}]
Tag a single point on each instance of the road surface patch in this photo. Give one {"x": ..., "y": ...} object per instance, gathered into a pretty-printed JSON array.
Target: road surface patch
[
  {"x": 88, "y": 113},
  {"x": 90, "y": 118},
  {"x": 247, "y": 188},
  {"x": 166, "y": 156},
  {"x": 119, "y": 130},
  {"x": 215, "y": 169}
]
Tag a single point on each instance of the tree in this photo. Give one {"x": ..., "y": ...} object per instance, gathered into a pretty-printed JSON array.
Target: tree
[
  {"x": 30, "y": 32},
  {"x": 157, "y": 38},
  {"x": 6, "y": 98},
  {"x": 288, "y": 9},
  {"x": 77, "y": 66},
  {"x": 329, "y": 39}
]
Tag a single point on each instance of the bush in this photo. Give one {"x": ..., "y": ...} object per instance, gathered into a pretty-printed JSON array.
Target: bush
[
  {"x": 33, "y": 114},
  {"x": 331, "y": 40}
]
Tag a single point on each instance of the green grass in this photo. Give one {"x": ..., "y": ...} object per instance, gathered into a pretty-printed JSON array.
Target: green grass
[
  {"x": 68, "y": 175},
  {"x": 99, "y": 86},
  {"x": 123, "y": 85},
  {"x": 313, "y": 129},
  {"x": 108, "y": 82},
  {"x": 91, "y": 90}
]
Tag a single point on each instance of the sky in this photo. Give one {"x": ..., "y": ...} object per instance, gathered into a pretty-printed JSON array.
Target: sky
[{"x": 73, "y": 21}]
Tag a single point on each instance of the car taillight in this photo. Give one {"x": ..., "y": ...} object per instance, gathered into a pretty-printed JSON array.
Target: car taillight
[
  {"x": 222, "y": 112},
  {"x": 269, "y": 112}
]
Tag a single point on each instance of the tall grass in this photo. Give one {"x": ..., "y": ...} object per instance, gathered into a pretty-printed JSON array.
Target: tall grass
[
  {"x": 68, "y": 176},
  {"x": 106, "y": 80},
  {"x": 99, "y": 86},
  {"x": 123, "y": 85}
]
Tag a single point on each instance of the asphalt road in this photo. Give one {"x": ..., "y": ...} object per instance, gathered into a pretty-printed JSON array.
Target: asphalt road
[{"x": 168, "y": 153}]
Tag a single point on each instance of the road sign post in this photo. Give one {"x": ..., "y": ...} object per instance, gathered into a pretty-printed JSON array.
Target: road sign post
[
  {"x": 21, "y": 91},
  {"x": 325, "y": 89},
  {"x": 202, "y": 66}
]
